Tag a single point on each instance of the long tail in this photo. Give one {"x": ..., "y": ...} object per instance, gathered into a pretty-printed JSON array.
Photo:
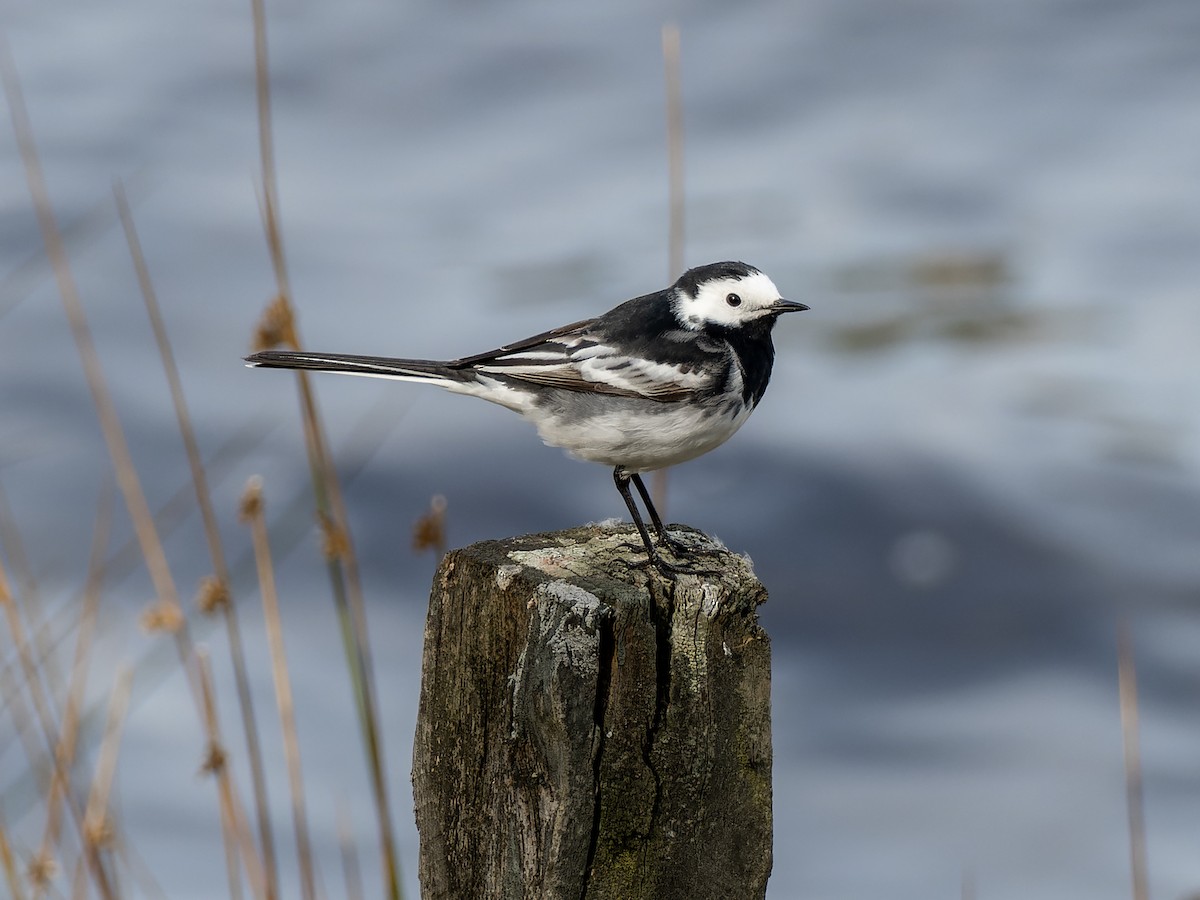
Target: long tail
[{"x": 372, "y": 366}]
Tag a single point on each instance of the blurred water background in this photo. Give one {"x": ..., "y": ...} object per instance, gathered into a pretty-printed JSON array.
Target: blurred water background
[{"x": 978, "y": 455}]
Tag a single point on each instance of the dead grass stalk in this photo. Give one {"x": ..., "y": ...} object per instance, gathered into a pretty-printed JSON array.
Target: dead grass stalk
[
  {"x": 341, "y": 561},
  {"x": 114, "y": 437},
  {"x": 234, "y": 833},
  {"x": 217, "y": 594},
  {"x": 44, "y": 715},
  {"x": 68, "y": 735},
  {"x": 99, "y": 833},
  {"x": 1135, "y": 804},
  {"x": 252, "y": 514},
  {"x": 675, "y": 196}
]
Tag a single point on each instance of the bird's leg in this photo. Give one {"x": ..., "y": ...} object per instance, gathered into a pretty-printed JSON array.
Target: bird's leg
[
  {"x": 678, "y": 547},
  {"x": 622, "y": 479}
]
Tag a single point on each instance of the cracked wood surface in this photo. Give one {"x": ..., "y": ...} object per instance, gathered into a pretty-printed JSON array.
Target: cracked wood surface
[{"x": 589, "y": 730}]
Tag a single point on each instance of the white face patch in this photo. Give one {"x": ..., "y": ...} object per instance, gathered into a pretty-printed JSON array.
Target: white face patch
[{"x": 728, "y": 301}]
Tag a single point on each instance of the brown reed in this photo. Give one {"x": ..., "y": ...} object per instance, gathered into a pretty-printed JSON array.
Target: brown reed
[
  {"x": 234, "y": 834},
  {"x": 675, "y": 196},
  {"x": 99, "y": 833},
  {"x": 166, "y": 613},
  {"x": 215, "y": 596},
  {"x": 43, "y": 862},
  {"x": 110, "y": 426},
  {"x": 251, "y": 513},
  {"x": 27, "y": 276},
  {"x": 44, "y": 716},
  {"x": 29, "y": 595},
  {"x": 351, "y": 873},
  {"x": 1134, "y": 799},
  {"x": 968, "y": 885},
  {"x": 8, "y": 862},
  {"x": 342, "y": 566}
]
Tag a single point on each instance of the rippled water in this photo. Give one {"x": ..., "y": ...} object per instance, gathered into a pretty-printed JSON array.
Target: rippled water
[{"x": 978, "y": 454}]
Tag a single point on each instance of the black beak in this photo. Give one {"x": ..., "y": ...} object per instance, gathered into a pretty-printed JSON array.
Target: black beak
[{"x": 782, "y": 306}]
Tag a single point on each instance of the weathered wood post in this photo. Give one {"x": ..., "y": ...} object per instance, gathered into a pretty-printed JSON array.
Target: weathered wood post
[{"x": 590, "y": 730}]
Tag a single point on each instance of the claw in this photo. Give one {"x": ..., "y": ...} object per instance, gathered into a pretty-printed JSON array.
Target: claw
[
  {"x": 680, "y": 549},
  {"x": 670, "y": 570}
]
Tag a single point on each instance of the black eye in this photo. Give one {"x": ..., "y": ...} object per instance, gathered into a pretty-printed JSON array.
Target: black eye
[{"x": 733, "y": 300}]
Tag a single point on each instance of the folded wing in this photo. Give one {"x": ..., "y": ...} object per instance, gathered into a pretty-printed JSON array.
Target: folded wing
[{"x": 575, "y": 359}]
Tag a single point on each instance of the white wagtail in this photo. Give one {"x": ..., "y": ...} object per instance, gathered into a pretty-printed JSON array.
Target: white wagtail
[{"x": 658, "y": 380}]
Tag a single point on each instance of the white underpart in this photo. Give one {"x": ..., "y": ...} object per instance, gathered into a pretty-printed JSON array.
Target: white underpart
[
  {"x": 757, "y": 293},
  {"x": 640, "y": 435},
  {"x": 638, "y": 441}
]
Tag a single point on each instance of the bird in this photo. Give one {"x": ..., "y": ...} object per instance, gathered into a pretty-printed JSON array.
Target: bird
[{"x": 658, "y": 380}]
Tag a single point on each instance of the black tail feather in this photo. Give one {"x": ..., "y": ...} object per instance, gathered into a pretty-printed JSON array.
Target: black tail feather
[{"x": 378, "y": 366}]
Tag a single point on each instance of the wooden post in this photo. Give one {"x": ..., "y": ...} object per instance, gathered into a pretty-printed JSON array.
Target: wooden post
[{"x": 591, "y": 730}]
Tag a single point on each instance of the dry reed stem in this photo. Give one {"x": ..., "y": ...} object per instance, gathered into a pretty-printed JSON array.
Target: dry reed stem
[
  {"x": 235, "y": 836},
  {"x": 148, "y": 886},
  {"x": 24, "y": 726},
  {"x": 114, "y": 436},
  {"x": 675, "y": 196},
  {"x": 351, "y": 871},
  {"x": 154, "y": 312},
  {"x": 126, "y": 474},
  {"x": 968, "y": 885},
  {"x": 367, "y": 435},
  {"x": 28, "y": 276},
  {"x": 213, "y": 537},
  {"x": 79, "y": 881},
  {"x": 348, "y": 596},
  {"x": 30, "y": 596},
  {"x": 1127, "y": 691},
  {"x": 98, "y": 830},
  {"x": 266, "y": 146},
  {"x": 167, "y": 518},
  {"x": 26, "y": 730},
  {"x": 174, "y": 511},
  {"x": 675, "y": 192},
  {"x": 43, "y": 712},
  {"x": 343, "y": 569},
  {"x": 68, "y": 735},
  {"x": 252, "y": 513},
  {"x": 11, "y": 876},
  {"x": 121, "y": 562}
]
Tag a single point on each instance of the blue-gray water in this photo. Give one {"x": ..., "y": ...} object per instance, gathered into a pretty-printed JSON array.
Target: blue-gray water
[{"x": 979, "y": 452}]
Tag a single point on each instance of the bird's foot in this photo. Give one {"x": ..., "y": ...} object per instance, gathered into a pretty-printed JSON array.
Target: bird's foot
[
  {"x": 676, "y": 548},
  {"x": 664, "y": 568},
  {"x": 668, "y": 570},
  {"x": 684, "y": 550}
]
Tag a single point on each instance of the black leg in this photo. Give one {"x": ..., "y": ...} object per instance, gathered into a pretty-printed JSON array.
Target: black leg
[
  {"x": 660, "y": 529},
  {"x": 622, "y": 479},
  {"x": 679, "y": 548}
]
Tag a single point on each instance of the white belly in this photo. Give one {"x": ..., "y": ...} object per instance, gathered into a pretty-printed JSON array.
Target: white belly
[{"x": 640, "y": 436}]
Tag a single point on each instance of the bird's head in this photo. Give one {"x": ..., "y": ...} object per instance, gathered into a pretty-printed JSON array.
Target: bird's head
[{"x": 728, "y": 295}]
